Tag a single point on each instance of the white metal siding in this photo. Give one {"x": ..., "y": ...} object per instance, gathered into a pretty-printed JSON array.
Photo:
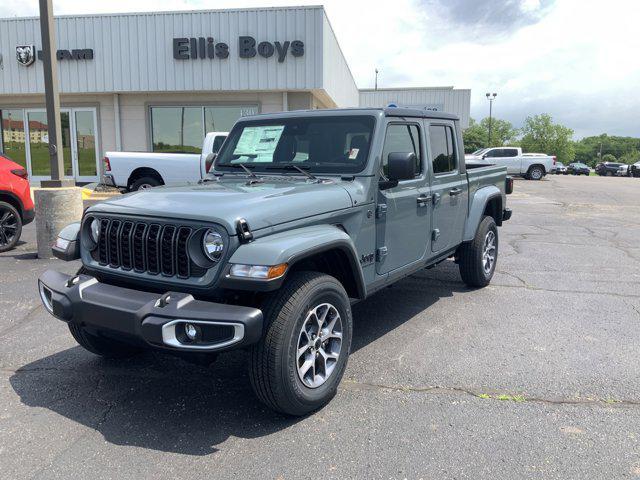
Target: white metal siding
[
  {"x": 337, "y": 80},
  {"x": 456, "y": 101},
  {"x": 134, "y": 52}
]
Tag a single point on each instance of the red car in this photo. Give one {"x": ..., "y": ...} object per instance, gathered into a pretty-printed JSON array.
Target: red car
[{"x": 16, "y": 206}]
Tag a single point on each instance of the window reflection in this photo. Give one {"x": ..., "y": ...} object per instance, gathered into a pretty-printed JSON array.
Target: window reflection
[
  {"x": 13, "y": 136},
  {"x": 181, "y": 129}
]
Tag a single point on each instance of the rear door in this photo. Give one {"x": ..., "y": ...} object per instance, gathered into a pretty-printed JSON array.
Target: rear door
[
  {"x": 449, "y": 186},
  {"x": 506, "y": 157},
  {"x": 402, "y": 218}
]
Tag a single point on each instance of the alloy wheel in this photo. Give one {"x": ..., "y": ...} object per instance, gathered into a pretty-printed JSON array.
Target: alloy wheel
[
  {"x": 8, "y": 226},
  {"x": 319, "y": 345},
  {"x": 489, "y": 252}
]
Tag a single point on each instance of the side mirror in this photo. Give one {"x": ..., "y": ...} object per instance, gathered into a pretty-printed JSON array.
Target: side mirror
[
  {"x": 208, "y": 161},
  {"x": 401, "y": 166},
  {"x": 484, "y": 156}
]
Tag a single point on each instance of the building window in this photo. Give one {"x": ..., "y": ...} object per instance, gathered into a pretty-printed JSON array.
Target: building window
[
  {"x": 182, "y": 129},
  {"x": 13, "y": 136}
]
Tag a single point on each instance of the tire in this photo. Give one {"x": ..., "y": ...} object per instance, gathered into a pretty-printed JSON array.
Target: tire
[
  {"x": 471, "y": 257},
  {"x": 535, "y": 173},
  {"x": 10, "y": 226},
  {"x": 609, "y": 174},
  {"x": 143, "y": 183},
  {"x": 277, "y": 373},
  {"x": 105, "y": 347}
]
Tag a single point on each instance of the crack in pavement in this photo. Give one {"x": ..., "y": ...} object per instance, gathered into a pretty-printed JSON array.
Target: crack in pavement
[
  {"x": 501, "y": 397},
  {"x": 25, "y": 319}
]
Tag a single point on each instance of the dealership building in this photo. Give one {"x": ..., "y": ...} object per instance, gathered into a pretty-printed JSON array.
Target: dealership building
[{"x": 159, "y": 81}]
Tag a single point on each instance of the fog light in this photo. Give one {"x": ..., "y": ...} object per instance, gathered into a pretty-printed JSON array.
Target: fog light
[
  {"x": 46, "y": 297},
  {"x": 191, "y": 331}
]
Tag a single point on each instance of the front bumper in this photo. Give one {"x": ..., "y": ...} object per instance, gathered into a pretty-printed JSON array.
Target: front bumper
[
  {"x": 28, "y": 216},
  {"x": 150, "y": 318}
]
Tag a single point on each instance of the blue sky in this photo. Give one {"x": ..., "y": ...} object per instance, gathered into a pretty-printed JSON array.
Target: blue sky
[{"x": 576, "y": 60}]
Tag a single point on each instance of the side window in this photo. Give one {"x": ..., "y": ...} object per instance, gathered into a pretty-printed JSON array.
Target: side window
[
  {"x": 495, "y": 153},
  {"x": 510, "y": 152},
  {"x": 217, "y": 143},
  {"x": 401, "y": 138},
  {"x": 443, "y": 154}
]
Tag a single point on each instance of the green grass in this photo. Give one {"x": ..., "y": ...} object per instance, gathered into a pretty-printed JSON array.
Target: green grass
[
  {"x": 40, "y": 161},
  {"x": 503, "y": 397}
]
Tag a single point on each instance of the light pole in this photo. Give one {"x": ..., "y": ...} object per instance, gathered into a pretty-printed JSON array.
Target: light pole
[
  {"x": 376, "y": 84},
  {"x": 491, "y": 98}
]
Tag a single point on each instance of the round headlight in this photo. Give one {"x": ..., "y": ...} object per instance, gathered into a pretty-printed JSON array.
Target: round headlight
[
  {"x": 95, "y": 230},
  {"x": 213, "y": 245}
]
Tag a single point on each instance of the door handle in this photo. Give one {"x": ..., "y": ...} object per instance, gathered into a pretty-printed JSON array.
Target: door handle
[
  {"x": 455, "y": 191},
  {"x": 424, "y": 200}
]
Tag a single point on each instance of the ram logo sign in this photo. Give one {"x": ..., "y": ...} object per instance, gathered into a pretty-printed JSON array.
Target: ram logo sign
[{"x": 26, "y": 54}]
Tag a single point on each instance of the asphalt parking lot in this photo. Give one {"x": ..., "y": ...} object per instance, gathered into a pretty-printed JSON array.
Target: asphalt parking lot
[{"x": 535, "y": 376}]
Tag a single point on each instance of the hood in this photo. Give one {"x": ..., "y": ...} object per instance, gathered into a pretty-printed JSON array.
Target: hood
[{"x": 275, "y": 201}]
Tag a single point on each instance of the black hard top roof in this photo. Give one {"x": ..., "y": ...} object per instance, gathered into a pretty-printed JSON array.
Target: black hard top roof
[{"x": 387, "y": 111}]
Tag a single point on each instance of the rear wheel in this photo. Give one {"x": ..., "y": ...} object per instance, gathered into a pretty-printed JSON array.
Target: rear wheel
[
  {"x": 298, "y": 364},
  {"x": 477, "y": 258},
  {"x": 10, "y": 226},
  {"x": 145, "y": 182},
  {"x": 536, "y": 173}
]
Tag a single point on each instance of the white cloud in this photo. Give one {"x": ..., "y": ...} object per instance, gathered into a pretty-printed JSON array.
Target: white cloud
[{"x": 577, "y": 60}]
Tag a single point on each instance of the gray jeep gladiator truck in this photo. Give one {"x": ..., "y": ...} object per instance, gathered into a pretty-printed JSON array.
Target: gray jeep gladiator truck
[{"x": 303, "y": 214}]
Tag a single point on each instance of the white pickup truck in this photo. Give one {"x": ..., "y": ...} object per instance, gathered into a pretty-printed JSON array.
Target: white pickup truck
[
  {"x": 138, "y": 170},
  {"x": 532, "y": 166}
]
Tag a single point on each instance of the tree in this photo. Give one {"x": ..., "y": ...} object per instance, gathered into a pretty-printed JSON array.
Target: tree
[
  {"x": 477, "y": 135},
  {"x": 474, "y": 137},
  {"x": 609, "y": 158},
  {"x": 588, "y": 149},
  {"x": 541, "y": 135}
]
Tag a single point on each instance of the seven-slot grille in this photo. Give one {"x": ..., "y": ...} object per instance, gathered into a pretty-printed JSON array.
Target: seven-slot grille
[{"x": 146, "y": 247}]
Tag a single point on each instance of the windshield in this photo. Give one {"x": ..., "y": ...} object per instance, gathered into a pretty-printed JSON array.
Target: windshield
[
  {"x": 337, "y": 144},
  {"x": 477, "y": 153}
]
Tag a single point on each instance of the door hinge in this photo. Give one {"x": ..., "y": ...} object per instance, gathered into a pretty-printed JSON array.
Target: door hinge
[
  {"x": 381, "y": 253},
  {"x": 381, "y": 210},
  {"x": 435, "y": 234}
]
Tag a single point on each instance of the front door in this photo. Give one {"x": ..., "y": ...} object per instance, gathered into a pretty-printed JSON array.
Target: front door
[
  {"x": 402, "y": 225},
  {"x": 79, "y": 146},
  {"x": 449, "y": 188}
]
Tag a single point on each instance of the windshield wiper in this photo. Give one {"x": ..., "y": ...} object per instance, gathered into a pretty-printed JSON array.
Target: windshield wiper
[
  {"x": 292, "y": 166},
  {"x": 253, "y": 176}
]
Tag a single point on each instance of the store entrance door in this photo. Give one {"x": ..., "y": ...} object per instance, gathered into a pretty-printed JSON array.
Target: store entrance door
[{"x": 79, "y": 144}]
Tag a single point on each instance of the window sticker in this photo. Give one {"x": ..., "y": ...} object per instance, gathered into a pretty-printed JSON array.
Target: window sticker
[
  {"x": 353, "y": 153},
  {"x": 259, "y": 140}
]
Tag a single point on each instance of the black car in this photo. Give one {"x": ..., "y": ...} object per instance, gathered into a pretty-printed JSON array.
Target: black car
[
  {"x": 634, "y": 170},
  {"x": 577, "y": 168},
  {"x": 608, "y": 169}
]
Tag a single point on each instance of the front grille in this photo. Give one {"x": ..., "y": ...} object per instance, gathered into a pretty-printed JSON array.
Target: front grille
[{"x": 146, "y": 248}]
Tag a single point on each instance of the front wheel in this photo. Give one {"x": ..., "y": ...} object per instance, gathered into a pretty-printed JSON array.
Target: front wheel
[
  {"x": 297, "y": 365},
  {"x": 105, "y": 347},
  {"x": 477, "y": 258}
]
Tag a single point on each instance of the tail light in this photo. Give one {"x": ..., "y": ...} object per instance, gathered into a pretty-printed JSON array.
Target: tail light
[
  {"x": 21, "y": 172},
  {"x": 107, "y": 164},
  {"x": 508, "y": 187}
]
